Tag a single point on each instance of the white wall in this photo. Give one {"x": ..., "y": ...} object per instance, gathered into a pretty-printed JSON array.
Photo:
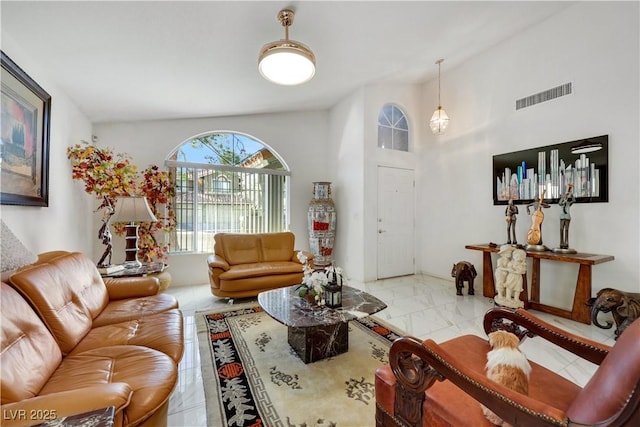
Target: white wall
[
  {"x": 346, "y": 168},
  {"x": 66, "y": 224},
  {"x": 593, "y": 45},
  {"x": 299, "y": 138}
]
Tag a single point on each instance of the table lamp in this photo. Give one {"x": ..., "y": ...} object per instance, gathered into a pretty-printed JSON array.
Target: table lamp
[{"x": 132, "y": 209}]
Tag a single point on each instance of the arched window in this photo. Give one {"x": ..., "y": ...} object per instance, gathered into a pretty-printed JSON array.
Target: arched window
[
  {"x": 393, "y": 129},
  {"x": 226, "y": 182}
]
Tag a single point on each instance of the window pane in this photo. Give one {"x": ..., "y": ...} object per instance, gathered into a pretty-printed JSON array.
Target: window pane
[
  {"x": 384, "y": 137},
  {"x": 400, "y": 140},
  {"x": 402, "y": 123}
]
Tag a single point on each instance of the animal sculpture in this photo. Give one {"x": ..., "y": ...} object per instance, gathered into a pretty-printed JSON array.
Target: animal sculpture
[
  {"x": 508, "y": 366},
  {"x": 623, "y": 306},
  {"x": 464, "y": 271}
]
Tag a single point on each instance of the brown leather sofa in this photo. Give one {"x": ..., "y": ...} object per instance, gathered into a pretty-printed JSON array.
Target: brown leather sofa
[
  {"x": 244, "y": 265},
  {"x": 73, "y": 342},
  {"x": 429, "y": 384}
]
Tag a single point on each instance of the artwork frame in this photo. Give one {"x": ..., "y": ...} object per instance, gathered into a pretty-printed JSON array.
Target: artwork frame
[{"x": 24, "y": 140}]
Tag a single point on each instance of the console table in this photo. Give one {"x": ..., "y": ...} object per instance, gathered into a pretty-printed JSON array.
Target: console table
[{"x": 580, "y": 312}]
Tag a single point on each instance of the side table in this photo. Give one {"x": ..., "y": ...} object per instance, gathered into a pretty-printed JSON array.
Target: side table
[
  {"x": 144, "y": 269},
  {"x": 98, "y": 418}
]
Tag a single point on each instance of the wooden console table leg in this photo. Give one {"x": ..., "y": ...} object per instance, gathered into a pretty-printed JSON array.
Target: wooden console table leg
[
  {"x": 580, "y": 311},
  {"x": 524, "y": 295},
  {"x": 488, "y": 287},
  {"x": 535, "y": 280}
]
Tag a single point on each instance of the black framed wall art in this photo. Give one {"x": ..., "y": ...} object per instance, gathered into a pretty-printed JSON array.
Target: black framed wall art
[
  {"x": 25, "y": 110},
  {"x": 523, "y": 176}
]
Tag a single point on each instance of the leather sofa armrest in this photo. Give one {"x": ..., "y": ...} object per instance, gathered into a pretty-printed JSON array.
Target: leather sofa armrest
[
  {"x": 54, "y": 406},
  {"x": 523, "y": 324},
  {"x": 131, "y": 287},
  {"x": 417, "y": 365},
  {"x": 216, "y": 261}
]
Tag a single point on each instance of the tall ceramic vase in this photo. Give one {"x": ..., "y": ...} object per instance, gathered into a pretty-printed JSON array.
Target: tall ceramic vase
[{"x": 322, "y": 224}]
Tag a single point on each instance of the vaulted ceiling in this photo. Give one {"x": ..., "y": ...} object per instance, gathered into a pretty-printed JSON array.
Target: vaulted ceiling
[{"x": 147, "y": 60}]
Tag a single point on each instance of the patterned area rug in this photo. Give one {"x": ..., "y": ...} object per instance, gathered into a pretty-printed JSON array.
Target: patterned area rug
[{"x": 253, "y": 378}]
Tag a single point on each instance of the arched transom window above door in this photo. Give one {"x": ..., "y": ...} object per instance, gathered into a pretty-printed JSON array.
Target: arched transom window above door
[{"x": 393, "y": 128}]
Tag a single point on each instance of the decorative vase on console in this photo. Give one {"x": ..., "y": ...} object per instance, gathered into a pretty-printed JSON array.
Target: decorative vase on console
[{"x": 322, "y": 224}]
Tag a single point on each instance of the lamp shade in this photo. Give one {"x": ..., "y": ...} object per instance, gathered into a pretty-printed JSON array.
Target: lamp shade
[
  {"x": 133, "y": 209},
  {"x": 287, "y": 62},
  {"x": 439, "y": 121}
]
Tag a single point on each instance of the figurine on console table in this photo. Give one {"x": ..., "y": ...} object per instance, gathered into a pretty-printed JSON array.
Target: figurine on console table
[
  {"x": 565, "y": 203},
  {"x": 534, "y": 235},
  {"x": 512, "y": 266},
  {"x": 511, "y": 213}
]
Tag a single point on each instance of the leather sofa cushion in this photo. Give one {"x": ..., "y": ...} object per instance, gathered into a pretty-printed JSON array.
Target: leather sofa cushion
[
  {"x": 242, "y": 271},
  {"x": 65, "y": 293},
  {"x": 162, "y": 332},
  {"x": 239, "y": 248},
  {"x": 71, "y": 298},
  {"x": 277, "y": 247},
  {"x": 255, "y": 285},
  {"x": 28, "y": 352},
  {"x": 150, "y": 374},
  {"x": 134, "y": 308},
  {"x": 253, "y": 248}
]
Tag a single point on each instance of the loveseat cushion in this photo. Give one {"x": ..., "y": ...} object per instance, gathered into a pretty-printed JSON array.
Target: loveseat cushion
[
  {"x": 277, "y": 246},
  {"x": 242, "y": 271},
  {"x": 238, "y": 248},
  {"x": 151, "y": 375},
  {"x": 162, "y": 332},
  {"x": 28, "y": 353}
]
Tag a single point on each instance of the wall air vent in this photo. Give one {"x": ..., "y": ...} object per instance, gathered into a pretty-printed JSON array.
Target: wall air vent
[{"x": 546, "y": 95}]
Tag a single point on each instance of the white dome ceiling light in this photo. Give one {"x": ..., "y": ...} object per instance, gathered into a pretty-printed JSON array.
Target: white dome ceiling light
[{"x": 286, "y": 62}]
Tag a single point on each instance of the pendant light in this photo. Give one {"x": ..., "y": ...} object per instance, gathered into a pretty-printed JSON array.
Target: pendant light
[
  {"x": 286, "y": 62},
  {"x": 440, "y": 119}
]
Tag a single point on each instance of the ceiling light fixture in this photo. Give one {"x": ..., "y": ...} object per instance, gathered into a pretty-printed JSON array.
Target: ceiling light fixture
[
  {"x": 440, "y": 119},
  {"x": 286, "y": 62}
]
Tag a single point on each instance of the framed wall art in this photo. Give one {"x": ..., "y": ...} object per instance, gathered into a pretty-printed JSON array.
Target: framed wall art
[
  {"x": 524, "y": 175},
  {"x": 24, "y": 143}
]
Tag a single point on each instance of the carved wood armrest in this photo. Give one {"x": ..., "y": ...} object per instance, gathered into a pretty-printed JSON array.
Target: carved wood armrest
[
  {"x": 524, "y": 324},
  {"x": 417, "y": 365}
]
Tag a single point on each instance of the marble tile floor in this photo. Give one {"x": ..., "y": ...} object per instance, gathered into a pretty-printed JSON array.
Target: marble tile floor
[{"x": 423, "y": 306}]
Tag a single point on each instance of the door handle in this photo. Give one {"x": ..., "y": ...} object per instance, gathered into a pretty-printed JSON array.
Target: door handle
[{"x": 382, "y": 231}]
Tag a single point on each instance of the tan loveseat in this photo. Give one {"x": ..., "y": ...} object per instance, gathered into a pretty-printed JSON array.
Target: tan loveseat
[
  {"x": 73, "y": 342},
  {"x": 244, "y": 265}
]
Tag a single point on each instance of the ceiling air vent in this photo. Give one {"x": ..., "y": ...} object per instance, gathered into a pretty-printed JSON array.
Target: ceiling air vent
[{"x": 546, "y": 95}]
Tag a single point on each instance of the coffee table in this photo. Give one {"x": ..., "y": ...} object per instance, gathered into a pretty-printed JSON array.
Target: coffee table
[{"x": 317, "y": 332}]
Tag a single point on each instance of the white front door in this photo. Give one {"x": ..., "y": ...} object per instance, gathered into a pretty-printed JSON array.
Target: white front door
[{"x": 396, "y": 225}]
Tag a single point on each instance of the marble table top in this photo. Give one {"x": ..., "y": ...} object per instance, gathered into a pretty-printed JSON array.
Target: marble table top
[{"x": 287, "y": 307}]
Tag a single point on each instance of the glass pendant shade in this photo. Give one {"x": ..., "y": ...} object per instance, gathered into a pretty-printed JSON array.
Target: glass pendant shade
[
  {"x": 439, "y": 121},
  {"x": 287, "y": 62}
]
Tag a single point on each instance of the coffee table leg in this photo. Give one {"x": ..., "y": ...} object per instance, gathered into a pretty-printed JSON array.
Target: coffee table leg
[{"x": 319, "y": 342}]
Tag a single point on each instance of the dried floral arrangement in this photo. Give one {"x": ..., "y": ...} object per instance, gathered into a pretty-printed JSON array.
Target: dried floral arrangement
[{"x": 109, "y": 175}]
